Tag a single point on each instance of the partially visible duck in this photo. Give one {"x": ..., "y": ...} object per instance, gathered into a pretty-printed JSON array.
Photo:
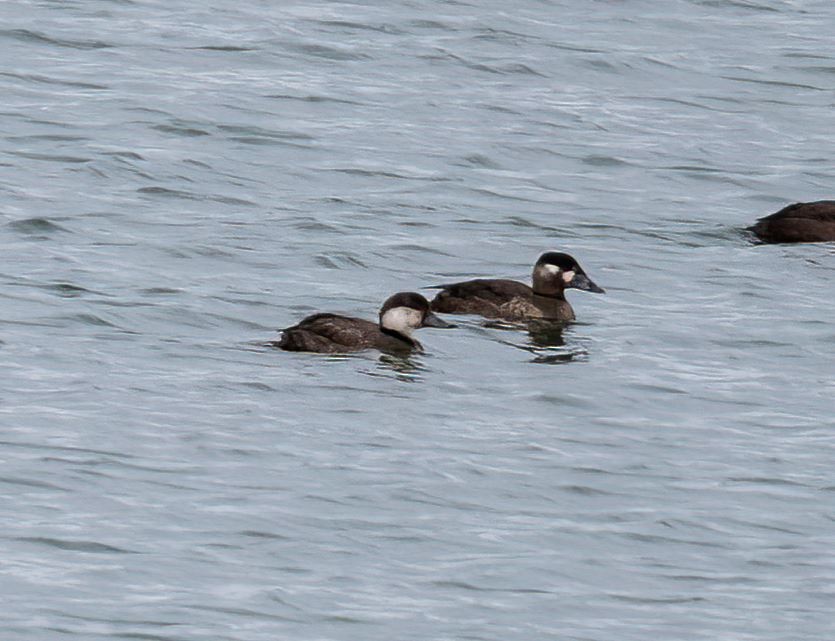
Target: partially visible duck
[
  {"x": 400, "y": 315},
  {"x": 798, "y": 223},
  {"x": 510, "y": 300}
]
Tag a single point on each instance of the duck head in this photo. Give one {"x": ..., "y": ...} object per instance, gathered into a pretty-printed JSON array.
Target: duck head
[
  {"x": 405, "y": 312},
  {"x": 555, "y": 272}
]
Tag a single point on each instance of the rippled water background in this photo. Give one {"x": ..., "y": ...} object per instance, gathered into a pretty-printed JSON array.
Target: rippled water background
[{"x": 178, "y": 180}]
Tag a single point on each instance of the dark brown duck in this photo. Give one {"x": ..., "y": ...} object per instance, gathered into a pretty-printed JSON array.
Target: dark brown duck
[
  {"x": 798, "y": 223},
  {"x": 510, "y": 300},
  {"x": 400, "y": 315}
]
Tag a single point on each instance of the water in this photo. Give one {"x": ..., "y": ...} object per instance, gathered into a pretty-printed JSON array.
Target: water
[{"x": 178, "y": 180}]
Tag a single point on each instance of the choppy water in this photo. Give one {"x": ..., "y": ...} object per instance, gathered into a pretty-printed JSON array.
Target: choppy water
[{"x": 178, "y": 180}]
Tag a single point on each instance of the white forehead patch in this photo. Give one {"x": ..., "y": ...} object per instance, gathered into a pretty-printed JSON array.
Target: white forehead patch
[
  {"x": 568, "y": 276},
  {"x": 402, "y": 319}
]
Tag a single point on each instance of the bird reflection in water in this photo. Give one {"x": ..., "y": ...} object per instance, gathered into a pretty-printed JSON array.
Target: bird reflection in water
[
  {"x": 405, "y": 366},
  {"x": 546, "y": 334},
  {"x": 545, "y": 341}
]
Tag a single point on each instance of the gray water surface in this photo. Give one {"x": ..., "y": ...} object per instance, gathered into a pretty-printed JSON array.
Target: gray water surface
[{"x": 178, "y": 180}]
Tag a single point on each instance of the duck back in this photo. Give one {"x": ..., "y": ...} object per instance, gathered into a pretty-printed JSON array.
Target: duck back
[
  {"x": 329, "y": 333},
  {"x": 478, "y": 296},
  {"x": 501, "y": 299},
  {"x": 798, "y": 223}
]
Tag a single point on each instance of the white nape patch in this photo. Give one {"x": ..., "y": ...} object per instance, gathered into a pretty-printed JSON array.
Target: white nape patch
[
  {"x": 568, "y": 276},
  {"x": 402, "y": 320},
  {"x": 551, "y": 269}
]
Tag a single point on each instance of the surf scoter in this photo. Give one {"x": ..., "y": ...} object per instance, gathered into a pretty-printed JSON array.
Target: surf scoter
[
  {"x": 798, "y": 223},
  {"x": 510, "y": 300},
  {"x": 400, "y": 315}
]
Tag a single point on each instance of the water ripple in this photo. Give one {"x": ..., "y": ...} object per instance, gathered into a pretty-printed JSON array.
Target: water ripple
[{"x": 180, "y": 180}]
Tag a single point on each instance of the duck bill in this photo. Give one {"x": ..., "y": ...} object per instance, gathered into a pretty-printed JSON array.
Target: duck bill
[
  {"x": 430, "y": 320},
  {"x": 581, "y": 281}
]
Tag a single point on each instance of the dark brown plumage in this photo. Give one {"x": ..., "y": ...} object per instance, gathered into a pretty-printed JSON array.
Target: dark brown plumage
[
  {"x": 499, "y": 298},
  {"x": 335, "y": 334},
  {"x": 513, "y": 301},
  {"x": 331, "y": 333},
  {"x": 798, "y": 223}
]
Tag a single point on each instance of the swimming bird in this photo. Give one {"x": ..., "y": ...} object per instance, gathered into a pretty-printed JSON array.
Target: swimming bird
[
  {"x": 510, "y": 300},
  {"x": 798, "y": 223},
  {"x": 400, "y": 315}
]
